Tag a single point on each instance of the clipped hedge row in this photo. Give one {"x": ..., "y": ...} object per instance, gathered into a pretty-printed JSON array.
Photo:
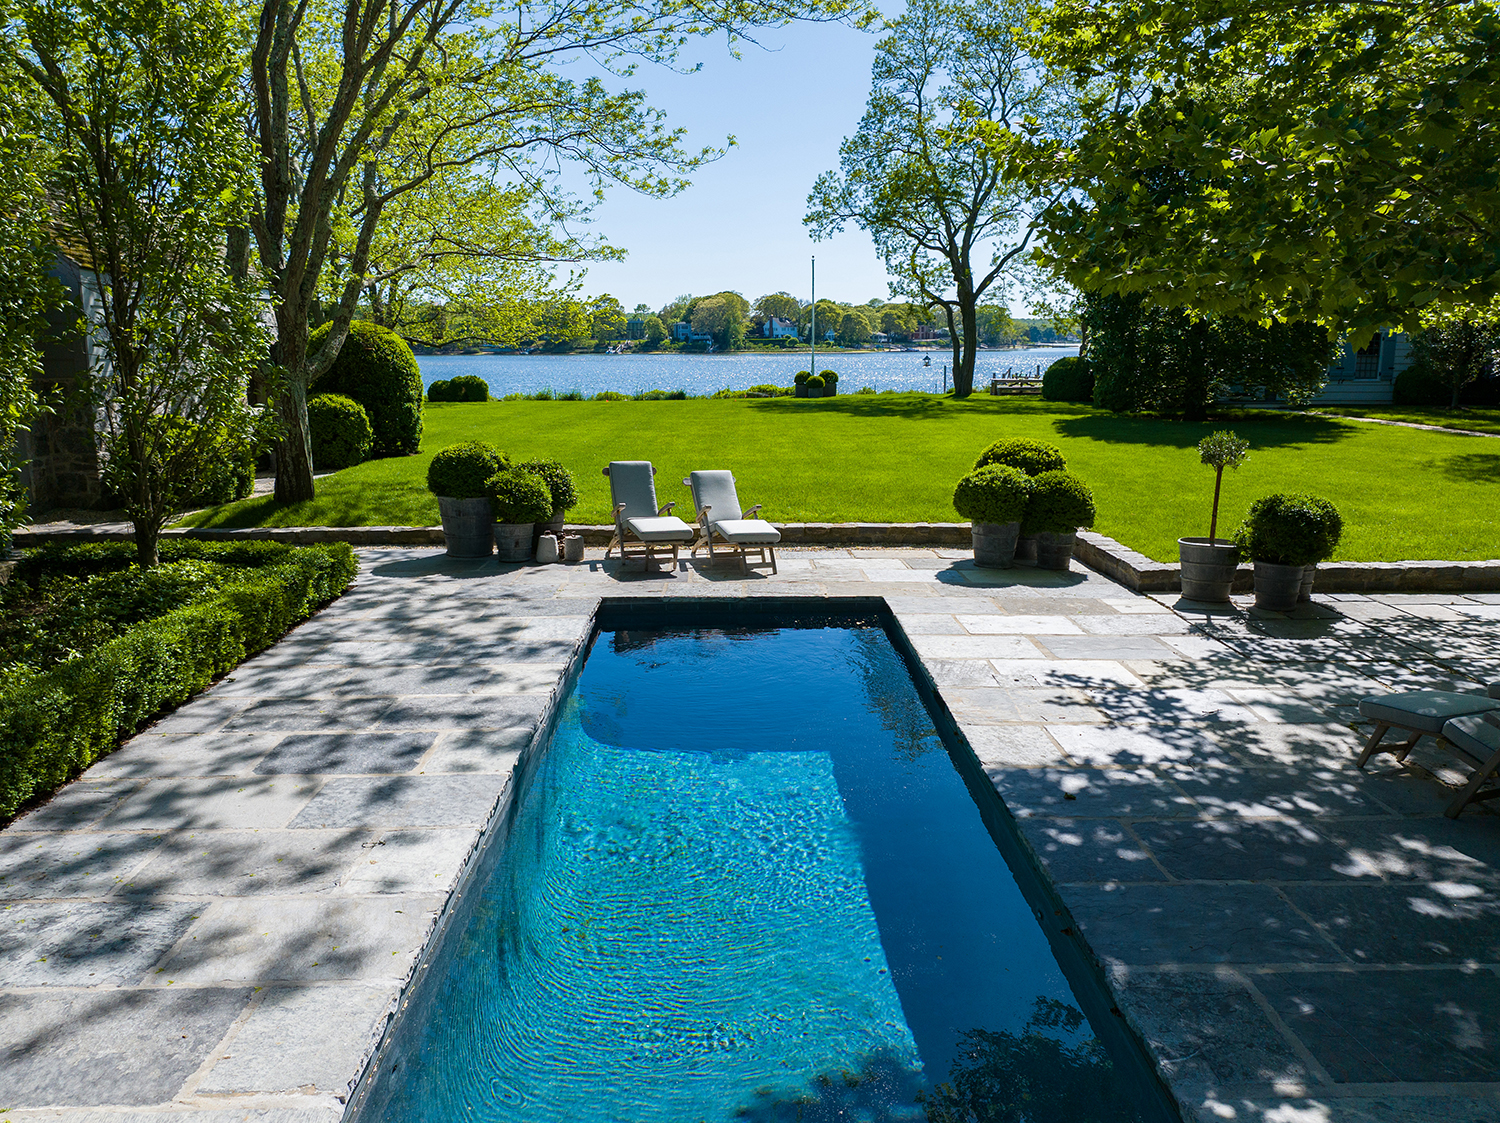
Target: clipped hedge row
[{"x": 56, "y": 723}]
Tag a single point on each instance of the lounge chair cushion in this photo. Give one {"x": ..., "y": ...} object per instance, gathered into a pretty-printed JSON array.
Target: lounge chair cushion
[
  {"x": 716, "y": 490},
  {"x": 1474, "y": 736},
  {"x": 660, "y": 528},
  {"x": 631, "y": 483},
  {"x": 1493, "y": 690},
  {"x": 1424, "y": 710},
  {"x": 746, "y": 532}
]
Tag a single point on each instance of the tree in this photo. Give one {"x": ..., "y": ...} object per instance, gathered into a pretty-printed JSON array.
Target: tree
[
  {"x": 1459, "y": 350},
  {"x": 1331, "y": 160},
  {"x": 722, "y": 316},
  {"x": 606, "y": 319},
  {"x": 781, "y": 305},
  {"x": 152, "y": 170},
  {"x": 854, "y": 330},
  {"x": 26, "y": 292},
  {"x": 653, "y": 331},
  {"x": 947, "y": 213},
  {"x": 830, "y": 316},
  {"x": 1145, "y": 357}
]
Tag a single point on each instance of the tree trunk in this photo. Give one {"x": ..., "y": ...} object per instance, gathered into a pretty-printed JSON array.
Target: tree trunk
[
  {"x": 1456, "y": 388},
  {"x": 294, "y": 466},
  {"x": 147, "y": 533},
  {"x": 963, "y": 372}
]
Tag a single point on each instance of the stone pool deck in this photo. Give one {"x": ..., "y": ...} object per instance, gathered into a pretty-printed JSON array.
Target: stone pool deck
[{"x": 215, "y": 923}]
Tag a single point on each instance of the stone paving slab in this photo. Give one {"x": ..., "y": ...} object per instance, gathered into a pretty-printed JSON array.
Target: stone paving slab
[{"x": 214, "y": 924}]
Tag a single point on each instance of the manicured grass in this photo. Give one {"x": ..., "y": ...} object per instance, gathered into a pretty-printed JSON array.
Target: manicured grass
[
  {"x": 1479, "y": 420},
  {"x": 1404, "y": 493}
]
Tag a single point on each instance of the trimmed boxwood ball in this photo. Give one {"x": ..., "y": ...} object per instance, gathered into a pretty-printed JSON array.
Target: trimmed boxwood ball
[
  {"x": 800, "y": 378},
  {"x": 377, "y": 369},
  {"x": 996, "y": 493},
  {"x": 1068, "y": 380},
  {"x": 340, "y": 432},
  {"x": 468, "y": 388},
  {"x": 1290, "y": 529},
  {"x": 1032, "y": 457},
  {"x": 1060, "y": 504},
  {"x": 440, "y": 391},
  {"x": 815, "y": 382},
  {"x": 462, "y": 471},
  {"x": 518, "y": 496},
  {"x": 559, "y": 482},
  {"x": 829, "y": 378}
]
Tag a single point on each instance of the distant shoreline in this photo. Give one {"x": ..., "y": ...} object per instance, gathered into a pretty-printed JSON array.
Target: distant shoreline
[{"x": 753, "y": 353}]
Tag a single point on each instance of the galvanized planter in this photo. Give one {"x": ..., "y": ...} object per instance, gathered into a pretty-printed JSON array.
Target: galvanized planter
[
  {"x": 1309, "y": 574},
  {"x": 1055, "y": 551},
  {"x": 995, "y": 544},
  {"x": 1277, "y": 587},
  {"x": 466, "y": 526},
  {"x": 513, "y": 541},
  {"x": 1207, "y": 569}
]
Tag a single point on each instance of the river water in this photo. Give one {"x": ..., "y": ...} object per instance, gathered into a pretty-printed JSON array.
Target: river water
[{"x": 704, "y": 374}]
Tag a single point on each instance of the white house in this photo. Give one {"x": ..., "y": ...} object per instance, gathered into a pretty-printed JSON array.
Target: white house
[
  {"x": 1367, "y": 376},
  {"x": 777, "y": 328}
]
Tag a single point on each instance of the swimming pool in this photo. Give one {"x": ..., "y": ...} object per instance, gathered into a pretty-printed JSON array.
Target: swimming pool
[{"x": 745, "y": 879}]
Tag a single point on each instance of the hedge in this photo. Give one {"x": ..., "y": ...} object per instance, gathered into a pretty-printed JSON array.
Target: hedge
[{"x": 56, "y": 723}]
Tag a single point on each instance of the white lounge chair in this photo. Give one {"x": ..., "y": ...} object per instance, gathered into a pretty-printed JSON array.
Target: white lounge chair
[
  {"x": 642, "y": 530},
  {"x": 1475, "y": 738},
  {"x": 720, "y": 519}
]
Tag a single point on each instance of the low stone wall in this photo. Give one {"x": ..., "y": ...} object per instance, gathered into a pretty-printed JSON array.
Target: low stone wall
[{"x": 1138, "y": 572}]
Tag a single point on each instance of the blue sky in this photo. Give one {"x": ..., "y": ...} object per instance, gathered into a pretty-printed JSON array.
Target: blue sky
[{"x": 740, "y": 225}]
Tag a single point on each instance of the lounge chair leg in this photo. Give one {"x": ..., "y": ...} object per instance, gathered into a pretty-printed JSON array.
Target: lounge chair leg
[
  {"x": 1471, "y": 789},
  {"x": 1373, "y": 744},
  {"x": 773, "y": 558},
  {"x": 1405, "y": 748}
]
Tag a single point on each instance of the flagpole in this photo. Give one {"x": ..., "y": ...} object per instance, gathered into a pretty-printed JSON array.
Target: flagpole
[{"x": 813, "y": 331}]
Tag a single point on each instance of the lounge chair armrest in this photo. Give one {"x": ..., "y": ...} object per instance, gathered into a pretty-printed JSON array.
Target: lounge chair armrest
[
  {"x": 1493, "y": 717},
  {"x": 666, "y": 508},
  {"x": 750, "y": 514},
  {"x": 618, "y": 508}
]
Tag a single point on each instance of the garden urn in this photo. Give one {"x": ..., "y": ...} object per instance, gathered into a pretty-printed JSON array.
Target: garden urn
[
  {"x": 466, "y": 526},
  {"x": 513, "y": 541},
  {"x": 1208, "y": 568},
  {"x": 1055, "y": 550},
  {"x": 546, "y": 549},
  {"x": 573, "y": 549},
  {"x": 995, "y": 544},
  {"x": 1277, "y": 587}
]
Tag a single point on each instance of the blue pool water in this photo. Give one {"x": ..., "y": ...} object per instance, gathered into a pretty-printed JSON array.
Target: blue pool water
[{"x": 745, "y": 881}]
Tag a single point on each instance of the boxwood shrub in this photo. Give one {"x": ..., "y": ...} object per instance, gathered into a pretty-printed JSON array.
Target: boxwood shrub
[
  {"x": 518, "y": 496},
  {"x": 559, "y": 482},
  {"x": 801, "y": 377},
  {"x": 829, "y": 378},
  {"x": 996, "y": 493},
  {"x": 340, "y": 432},
  {"x": 1068, "y": 380},
  {"x": 377, "y": 369},
  {"x": 1032, "y": 457},
  {"x": 55, "y": 723},
  {"x": 1060, "y": 503},
  {"x": 460, "y": 471},
  {"x": 1290, "y": 529}
]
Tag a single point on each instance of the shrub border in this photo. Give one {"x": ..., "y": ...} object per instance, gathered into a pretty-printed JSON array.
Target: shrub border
[{"x": 55, "y": 725}]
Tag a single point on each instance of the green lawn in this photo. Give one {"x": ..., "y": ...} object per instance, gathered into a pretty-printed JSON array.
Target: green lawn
[
  {"x": 1480, "y": 420},
  {"x": 1404, "y": 493}
]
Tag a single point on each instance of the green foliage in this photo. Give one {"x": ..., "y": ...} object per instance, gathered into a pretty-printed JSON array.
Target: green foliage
[
  {"x": 1290, "y": 529},
  {"x": 994, "y": 493},
  {"x": 440, "y": 391},
  {"x": 1418, "y": 386},
  {"x": 815, "y": 382},
  {"x": 1455, "y": 352},
  {"x": 340, "y": 432},
  {"x": 1223, "y": 450},
  {"x": 57, "y": 721},
  {"x": 377, "y": 369},
  {"x": 1032, "y": 457},
  {"x": 660, "y": 395},
  {"x": 1060, "y": 503},
  {"x": 463, "y": 388},
  {"x": 1068, "y": 380},
  {"x": 829, "y": 378},
  {"x": 865, "y": 390},
  {"x": 1327, "y": 162},
  {"x": 767, "y": 390},
  {"x": 1144, "y": 357},
  {"x": 462, "y": 471},
  {"x": 801, "y": 377},
  {"x": 611, "y": 396},
  {"x": 518, "y": 496},
  {"x": 558, "y": 479}
]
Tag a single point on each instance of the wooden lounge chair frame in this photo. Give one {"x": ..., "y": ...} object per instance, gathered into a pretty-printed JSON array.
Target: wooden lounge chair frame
[
  {"x": 1484, "y": 768},
  {"x": 706, "y": 539},
  {"x": 632, "y": 546}
]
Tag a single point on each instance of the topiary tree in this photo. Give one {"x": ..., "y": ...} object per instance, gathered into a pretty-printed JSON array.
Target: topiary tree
[
  {"x": 462, "y": 471},
  {"x": 377, "y": 369},
  {"x": 1290, "y": 529},
  {"x": 1220, "y": 451},
  {"x": 995, "y": 493},
  {"x": 1032, "y": 457},
  {"x": 518, "y": 496},
  {"x": 340, "y": 432},
  {"x": 1060, "y": 503},
  {"x": 1068, "y": 380},
  {"x": 559, "y": 482}
]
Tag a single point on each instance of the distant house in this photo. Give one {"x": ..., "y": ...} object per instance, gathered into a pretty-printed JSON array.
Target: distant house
[
  {"x": 682, "y": 332},
  {"x": 1367, "y": 376},
  {"x": 928, "y": 332},
  {"x": 879, "y": 338},
  {"x": 635, "y": 328},
  {"x": 777, "y": 328}
]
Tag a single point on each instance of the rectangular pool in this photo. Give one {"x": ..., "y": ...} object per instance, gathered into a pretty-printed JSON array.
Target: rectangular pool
[{"x": 745, "y": 880}]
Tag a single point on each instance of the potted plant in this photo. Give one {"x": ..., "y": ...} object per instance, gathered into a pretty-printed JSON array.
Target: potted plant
[
  {"x": 1033, "y": 458},
  {"x": 993, "y": 498},
  {"x": 813, "y": 387},
  {"x": 457, "y": 476},
  {"x": 1285, "y": 535},
  {"x": 1060, "y": 503},
  {"x": 830, "y": 383},
  {"x": 799, "y": 384},
  {"x": 520, "y": 500},
  {"x": 1208, "y": 564},
  {"x": 564, "y": 493}
]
